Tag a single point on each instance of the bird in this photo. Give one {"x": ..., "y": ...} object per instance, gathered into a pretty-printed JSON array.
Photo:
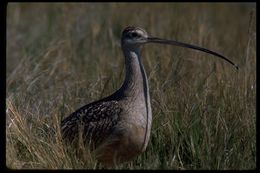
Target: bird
[{"x": 118, "y": 126}]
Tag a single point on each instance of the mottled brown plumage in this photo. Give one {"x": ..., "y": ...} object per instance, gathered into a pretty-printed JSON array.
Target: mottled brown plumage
[{"x": 96, "y": 120}]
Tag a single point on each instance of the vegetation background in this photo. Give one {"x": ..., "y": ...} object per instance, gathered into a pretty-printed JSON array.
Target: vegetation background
[{"x": 61, "y": 56}]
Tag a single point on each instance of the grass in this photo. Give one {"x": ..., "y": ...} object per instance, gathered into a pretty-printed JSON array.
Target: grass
[{"x": 62, "y": 56}]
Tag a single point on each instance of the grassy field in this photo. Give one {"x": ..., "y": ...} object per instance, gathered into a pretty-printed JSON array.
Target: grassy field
[{"x": 63, "y": 56}]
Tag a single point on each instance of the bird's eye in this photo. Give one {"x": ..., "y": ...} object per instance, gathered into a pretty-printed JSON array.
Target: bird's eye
[{"x": 134, "y": 34}]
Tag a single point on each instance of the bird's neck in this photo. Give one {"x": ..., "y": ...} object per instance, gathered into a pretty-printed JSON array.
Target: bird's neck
[
  {"x": 135, "y": 88},
  {"x": 135, "y": 83}
]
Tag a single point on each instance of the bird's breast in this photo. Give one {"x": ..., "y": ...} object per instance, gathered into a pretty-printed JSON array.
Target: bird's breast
[{"x": 137, "y": 123}]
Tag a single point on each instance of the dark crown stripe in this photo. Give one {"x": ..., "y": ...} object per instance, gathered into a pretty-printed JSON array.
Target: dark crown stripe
[{"x": 131, "y": 28}]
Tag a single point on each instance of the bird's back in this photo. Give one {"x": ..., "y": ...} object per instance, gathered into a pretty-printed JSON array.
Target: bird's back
[{"x": 93, "y": 122}]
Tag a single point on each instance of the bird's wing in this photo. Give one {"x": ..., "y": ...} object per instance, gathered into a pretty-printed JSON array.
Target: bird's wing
[{"x": 96, "y": 121}]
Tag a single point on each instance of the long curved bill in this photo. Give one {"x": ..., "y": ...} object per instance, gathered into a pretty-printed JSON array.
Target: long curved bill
[{"x": 176, "y": 43}]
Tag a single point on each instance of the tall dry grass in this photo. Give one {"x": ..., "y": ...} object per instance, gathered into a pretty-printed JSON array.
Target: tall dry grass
[{"x": 64, "y": 55}]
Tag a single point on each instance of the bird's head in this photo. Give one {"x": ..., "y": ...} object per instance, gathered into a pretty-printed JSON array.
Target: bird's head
[{"x": 132, "y": 36}]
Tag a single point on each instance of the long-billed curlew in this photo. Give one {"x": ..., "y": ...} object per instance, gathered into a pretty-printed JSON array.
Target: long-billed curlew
[{"x": 119, "y": 126}]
